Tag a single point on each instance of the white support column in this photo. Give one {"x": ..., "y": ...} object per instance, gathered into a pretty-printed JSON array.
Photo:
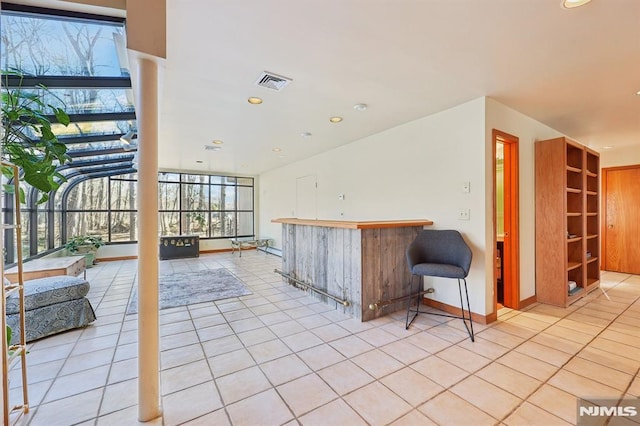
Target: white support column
[{"x": 148, "y": 323}]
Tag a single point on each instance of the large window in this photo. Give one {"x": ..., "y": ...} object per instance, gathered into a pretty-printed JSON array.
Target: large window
[{"x": 209, "y": 206}]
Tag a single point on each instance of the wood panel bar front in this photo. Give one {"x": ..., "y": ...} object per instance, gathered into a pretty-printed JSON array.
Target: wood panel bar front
[{"x": 362, "y": 262}]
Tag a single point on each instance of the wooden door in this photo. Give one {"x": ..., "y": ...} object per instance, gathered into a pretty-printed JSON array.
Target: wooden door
[
  {"x": 511, "y": 247},
  {"x": 621, "y": 224}
]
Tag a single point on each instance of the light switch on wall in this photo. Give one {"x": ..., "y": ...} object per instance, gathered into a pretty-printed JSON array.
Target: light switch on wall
[
  {"x": 464, "y": 214},
  {"x": 466, "y": 187}
]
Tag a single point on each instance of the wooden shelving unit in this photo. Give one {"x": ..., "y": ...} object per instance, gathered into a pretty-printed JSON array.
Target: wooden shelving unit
[
  {"x": 567, "y": 221},
  {"x": 15, "y": 353}
]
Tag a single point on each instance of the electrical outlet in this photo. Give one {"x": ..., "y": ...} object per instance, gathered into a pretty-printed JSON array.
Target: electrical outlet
[
  {"x": 466, "y": 187},
  {"x": 464, "y": 214}
]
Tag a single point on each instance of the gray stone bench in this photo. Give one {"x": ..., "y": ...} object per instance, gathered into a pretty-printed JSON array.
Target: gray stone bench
[{"x": 52, "y": 305}]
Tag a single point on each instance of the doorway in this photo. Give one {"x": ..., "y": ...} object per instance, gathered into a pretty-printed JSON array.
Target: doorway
[
  {"x": 620, "y": 225},
  {"x": 505, "y": 219}
]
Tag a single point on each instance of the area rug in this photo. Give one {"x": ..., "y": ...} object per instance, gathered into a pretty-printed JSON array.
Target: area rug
[{"x": 187, "y": 288}]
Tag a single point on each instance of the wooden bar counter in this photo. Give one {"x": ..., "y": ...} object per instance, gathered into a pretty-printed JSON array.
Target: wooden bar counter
[{"x": 362, "y": 262}]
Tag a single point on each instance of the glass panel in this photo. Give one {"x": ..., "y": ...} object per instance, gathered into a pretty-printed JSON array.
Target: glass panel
[
  {"x": 93, "y": 146},
  {"x": 43, "y": 231},
  {"x": 245, "y": 224},
  {"x": 25, "y": 218},
  {"x": 129, "y": 176},
  {"x": 245, "y": 181},
  {"x": 123, "y": 195},
  {"x": 195, "y": 197},
  {"x": 87, "y": 223},
  {"x": 229, "y": 197},
  {"x": 87, "y": 101},
  {"x": 169, "y": 223},
  {"x": 168, "y": 196},
  {"x": 124, "y": 226},
  {"x": 195, "y": 178},
  {"x": 89, "y": 195},
  {"x": 90, "y": 128},
  {"x": 223, "y": 224},
  {"x": 195, "y": 223},
  {"x": 216, "y": 179},
  {"x": 216, "y": 197},
  {"x": 168, "y": 177},
  {"x": 229, "y": 180},
  {"x": 245, "y": 198},
  {"x": 57, "y": 229},
  {"x": 97, "y": 45}
]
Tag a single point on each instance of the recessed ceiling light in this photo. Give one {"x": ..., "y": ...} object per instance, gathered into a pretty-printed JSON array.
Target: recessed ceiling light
[
  {"x": 360, "y": 107},
  {"x": 276, "y": 149},
  {"x": 217, "y": 142},
  {"x": 199, "y": 161},
  {"x": 306, "y": 134},
  {"x": 254, "y": 101},
  {"x": 638, "y": 93},
  {"x": 607, "y": 147},
  {"x": 335, "y": 119},
  {"x": 570, "y": 4}
]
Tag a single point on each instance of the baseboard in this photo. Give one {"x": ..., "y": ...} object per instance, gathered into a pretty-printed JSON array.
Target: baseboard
[
  {"x": 526, "y": 302},
  {"x": 455, "y": 310}
]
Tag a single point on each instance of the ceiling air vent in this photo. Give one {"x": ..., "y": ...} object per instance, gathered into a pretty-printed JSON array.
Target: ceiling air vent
[{"x": 272, "y": 81}]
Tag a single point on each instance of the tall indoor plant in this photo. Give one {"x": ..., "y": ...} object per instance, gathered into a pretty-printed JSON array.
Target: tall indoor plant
[{"x": 26, "y": 112}]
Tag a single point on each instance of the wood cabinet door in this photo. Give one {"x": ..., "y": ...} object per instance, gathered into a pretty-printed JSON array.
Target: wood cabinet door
[{"x": 621, "y": 225}]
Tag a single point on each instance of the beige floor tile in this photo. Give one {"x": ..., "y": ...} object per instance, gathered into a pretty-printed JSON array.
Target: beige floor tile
[
  {"x": 185, "y": 376},
  {"x": 306, "y": 394},
  {"x": 36, "y": 373},
  {"x": 500, "y": 337},
  {"x": 284, "y": 369},
  {"x": 191, "y": 403},
  {"x": 128, "y": 416},
  {"x": 588, "y": 319},
  {"x": 530, "y": 366},
  {"x": 351, "y": 346},
  {"x": 618, "y": 362},
  {"x": 528, "y": 322},
  {"x": 230, "y": 362},
  {"x": 268, "y": 351},
  {"x": 514, "y": 329},
  {"x": 632, "y": 330},
  {"x": 616, "y": 348},
  {"x": 119, "y": 396},
  {"x": 543, "y": 353},
  {"x": 484, "y": 347},
  {"x": 77, "y": 383},
  {"x": 440, "y": 371},
  {"x": 569, "y": 334},
  {"x": 559, "y": 343},
  {"x": 528, "y": 414},
  {"x": 509, "y": 379},
  {"x": 428, "y": 342},
  {"x": 634, "y": 389},
  {"x": 449, "y": 409},
  {"x": 68, "y": 411},
  {"x": 287, "y": 328},
  {"x": 301, "y": 341},
  {"x": 330, "y": 332},
  {"x": 265, "y": 408},
  {"x": 449, "y": 333},
  {"x": 487, "y": 397},
  {"x": 414, "y": 418},
  {"x": 463, "y": 358},
  {"x": 221, "y": 345},
  {"x": 582, "y": 387},
  {"x": 411, "y": 386},
  {"x": 345, "y": 377},
  {"x": 123, "y": 370},
  {"x": 377, "y": 337},
  {"x": 377, "y": 363},
  {"x": 556, "y": 402},
  {"x": 49, "y": 354},
  {"x": 624, "y": 338},
  {"x": 217, "y": 418},
  {"x": 404, "y": 352},
  {"x": 366, "y": 402},
  {"x": 239, "y": 385},
  {"x": 600, "y": 373},
  {"x": 320, "y": 357},
  {"x": 334, "y": 413}
]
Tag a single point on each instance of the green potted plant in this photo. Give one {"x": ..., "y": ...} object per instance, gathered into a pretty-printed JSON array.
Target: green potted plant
[
  {"x": 87, "y": 245},
  {"x": 24, "y": 113}
]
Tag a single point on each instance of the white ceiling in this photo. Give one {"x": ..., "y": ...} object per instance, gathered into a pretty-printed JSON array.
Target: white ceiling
[{"x": 577, "y": 71}]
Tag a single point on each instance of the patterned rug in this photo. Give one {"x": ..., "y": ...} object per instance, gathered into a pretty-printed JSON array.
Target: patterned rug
[{"x": 188, "y": 288}]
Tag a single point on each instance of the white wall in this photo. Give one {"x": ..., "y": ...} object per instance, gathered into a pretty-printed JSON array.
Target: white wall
[
  {"x": 528, "y": 131},
  {"x": 616, "y": 157},
  {"x": 412, "y": 171}
]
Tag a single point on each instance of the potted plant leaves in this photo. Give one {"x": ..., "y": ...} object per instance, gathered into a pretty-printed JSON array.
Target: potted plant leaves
[{"x": 87, "y": 245}]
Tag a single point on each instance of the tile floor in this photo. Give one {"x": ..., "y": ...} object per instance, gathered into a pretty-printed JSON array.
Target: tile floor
[{"x": 279, "y": 356}]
